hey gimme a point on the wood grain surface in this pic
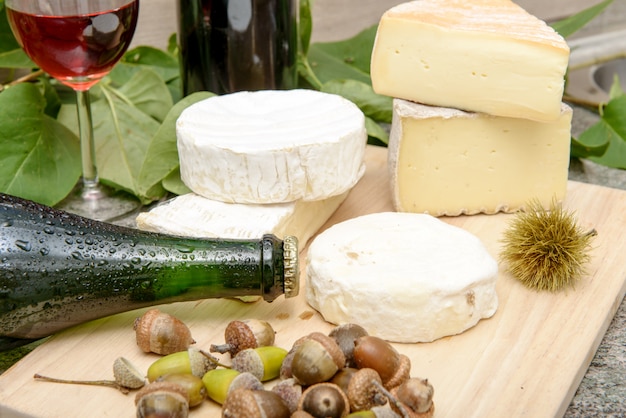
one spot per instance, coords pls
(525, 361)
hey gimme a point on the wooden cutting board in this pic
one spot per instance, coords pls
(527, 360)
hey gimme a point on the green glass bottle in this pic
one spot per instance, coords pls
(58, 269)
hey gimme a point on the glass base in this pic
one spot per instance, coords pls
(99, 202)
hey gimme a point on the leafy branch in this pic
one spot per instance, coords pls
(136, 106)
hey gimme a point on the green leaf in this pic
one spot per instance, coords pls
(161, 157)
(375, 132)
(373, 105)
(172, 45)
(40, 157)
(613, 127)
(174, 184)
(124, 124)
(147, 91)
(305, 26)
(570, 25)
(355, 52)
(616, 88)
(349, 59)
(165, 64)
(591, 143)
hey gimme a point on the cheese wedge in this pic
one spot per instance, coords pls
(192, 215)
(271, 146)
(486, 56)
(446, 161)
(404, 277)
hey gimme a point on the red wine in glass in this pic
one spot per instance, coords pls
(78, 43)
(77, 50)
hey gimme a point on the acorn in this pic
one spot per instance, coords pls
(383, 411)
(290, 391)
(262, 362)
(316, 359)
(161, 333)
(162, 399)
(345, 335)
(324, 400)
(126, 377)
(191, 361)
(342, 378)
(193, 386)
(248, 333)
(219, 382)
(417, 395)
(375, 353)
(364, 390)
(285, 368)
(254, 403)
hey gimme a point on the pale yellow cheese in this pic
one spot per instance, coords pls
(446, 161)
(486, 56)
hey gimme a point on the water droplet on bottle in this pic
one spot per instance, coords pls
(77, 256)
(48, 230)
(24, 245)
(44, 251)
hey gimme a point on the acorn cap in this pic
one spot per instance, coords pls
(290, 391)
(363, 393)
(402, 374)
(127, 375)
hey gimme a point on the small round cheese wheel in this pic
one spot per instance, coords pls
(271, 146)
(404, 277)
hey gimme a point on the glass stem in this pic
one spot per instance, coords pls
(87, 144)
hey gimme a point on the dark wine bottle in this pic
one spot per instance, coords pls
(235, 45)
(58, 269)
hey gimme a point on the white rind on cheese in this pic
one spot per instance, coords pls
(486, 56)
(192, 215)
(403, 277)
(446, 161)
(271, 146)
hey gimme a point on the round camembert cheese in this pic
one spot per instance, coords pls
(271, 146)
(404, 277)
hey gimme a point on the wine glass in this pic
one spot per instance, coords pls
(78, 42)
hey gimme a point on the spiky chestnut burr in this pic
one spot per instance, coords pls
(545, 249)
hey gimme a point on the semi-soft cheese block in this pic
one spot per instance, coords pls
(404, 277)
(446, 161)
(271, 146)
(486, 56)
(196, 216)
